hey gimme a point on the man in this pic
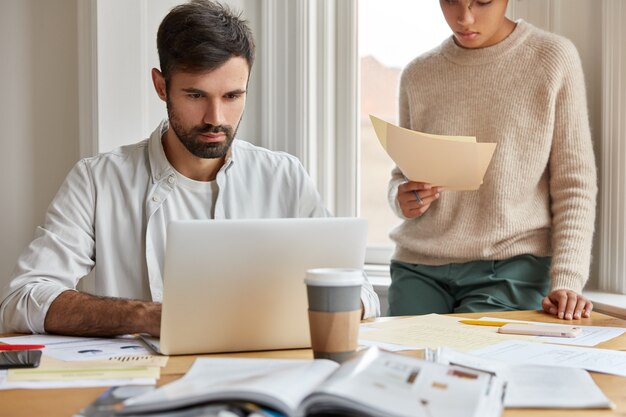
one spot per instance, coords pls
(112, 211)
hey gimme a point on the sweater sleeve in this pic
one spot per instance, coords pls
(572, 169)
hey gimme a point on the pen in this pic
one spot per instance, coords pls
(21, 347)
(487, 322)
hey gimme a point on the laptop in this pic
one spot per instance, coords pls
(238, 285)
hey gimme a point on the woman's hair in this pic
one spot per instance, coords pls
(202, 35)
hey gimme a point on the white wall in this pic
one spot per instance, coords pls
(38, 114)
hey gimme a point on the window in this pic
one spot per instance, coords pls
(304, 94)
(391, 33)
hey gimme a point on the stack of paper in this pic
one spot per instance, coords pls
(84, 362)
(453, 162)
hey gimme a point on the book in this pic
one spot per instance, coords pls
(374, 383)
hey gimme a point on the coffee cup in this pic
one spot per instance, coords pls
(334, 311)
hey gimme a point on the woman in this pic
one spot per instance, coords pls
(523, 239)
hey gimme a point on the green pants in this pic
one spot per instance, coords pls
(519, 283)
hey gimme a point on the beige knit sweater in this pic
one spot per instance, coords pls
(527, 94)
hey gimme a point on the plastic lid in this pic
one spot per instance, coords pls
(334, 277)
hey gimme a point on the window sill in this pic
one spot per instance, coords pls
(608, 303)
(378, 275)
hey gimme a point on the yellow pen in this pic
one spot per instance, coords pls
(487, 322)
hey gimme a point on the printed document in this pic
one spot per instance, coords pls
(69, 348)
(534, 386)
(522, 352)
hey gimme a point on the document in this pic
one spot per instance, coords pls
(69, 348)
(591, 335)
(534, 386)
(82, 383)
(454, 162)
(522, 352)
(391, 347)
(51, 369)
(374, 383)
(433, 331)
(84, 362)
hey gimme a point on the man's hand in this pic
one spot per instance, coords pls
(415, 198)
(567, 305)
(74, 313)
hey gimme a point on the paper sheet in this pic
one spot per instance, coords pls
(82, 348)
(84, 362)
(391, 347)
(591, 359)
(84, 373)
(6, 385)
(454, 162)
(532, 386)
(591, 335)
(433, 330)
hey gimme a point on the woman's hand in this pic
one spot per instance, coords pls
(415, 198)
(567, 305)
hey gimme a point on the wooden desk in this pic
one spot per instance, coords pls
(67, 402)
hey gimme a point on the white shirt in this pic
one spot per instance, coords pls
(109, 213)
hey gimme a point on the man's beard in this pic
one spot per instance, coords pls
(188, 137)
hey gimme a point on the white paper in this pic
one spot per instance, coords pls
(536, 386)
(392, 347)
(432, 331)
(591, 335)
(521, 352)
(68, 348)
(86, 383)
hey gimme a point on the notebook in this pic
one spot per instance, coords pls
(238, 285)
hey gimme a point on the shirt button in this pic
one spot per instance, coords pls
(156, 198)
(171, 179)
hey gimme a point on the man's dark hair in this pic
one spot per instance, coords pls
(201, 36)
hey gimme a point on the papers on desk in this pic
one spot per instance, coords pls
(83, 383)
(454, 162)
(526, 374)
(592, 359)
(68, 348)
(591, 335)
(373, 383)
(534, 386)
(84, 362)
(431, 331)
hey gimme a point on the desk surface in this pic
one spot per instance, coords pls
(67, 402)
